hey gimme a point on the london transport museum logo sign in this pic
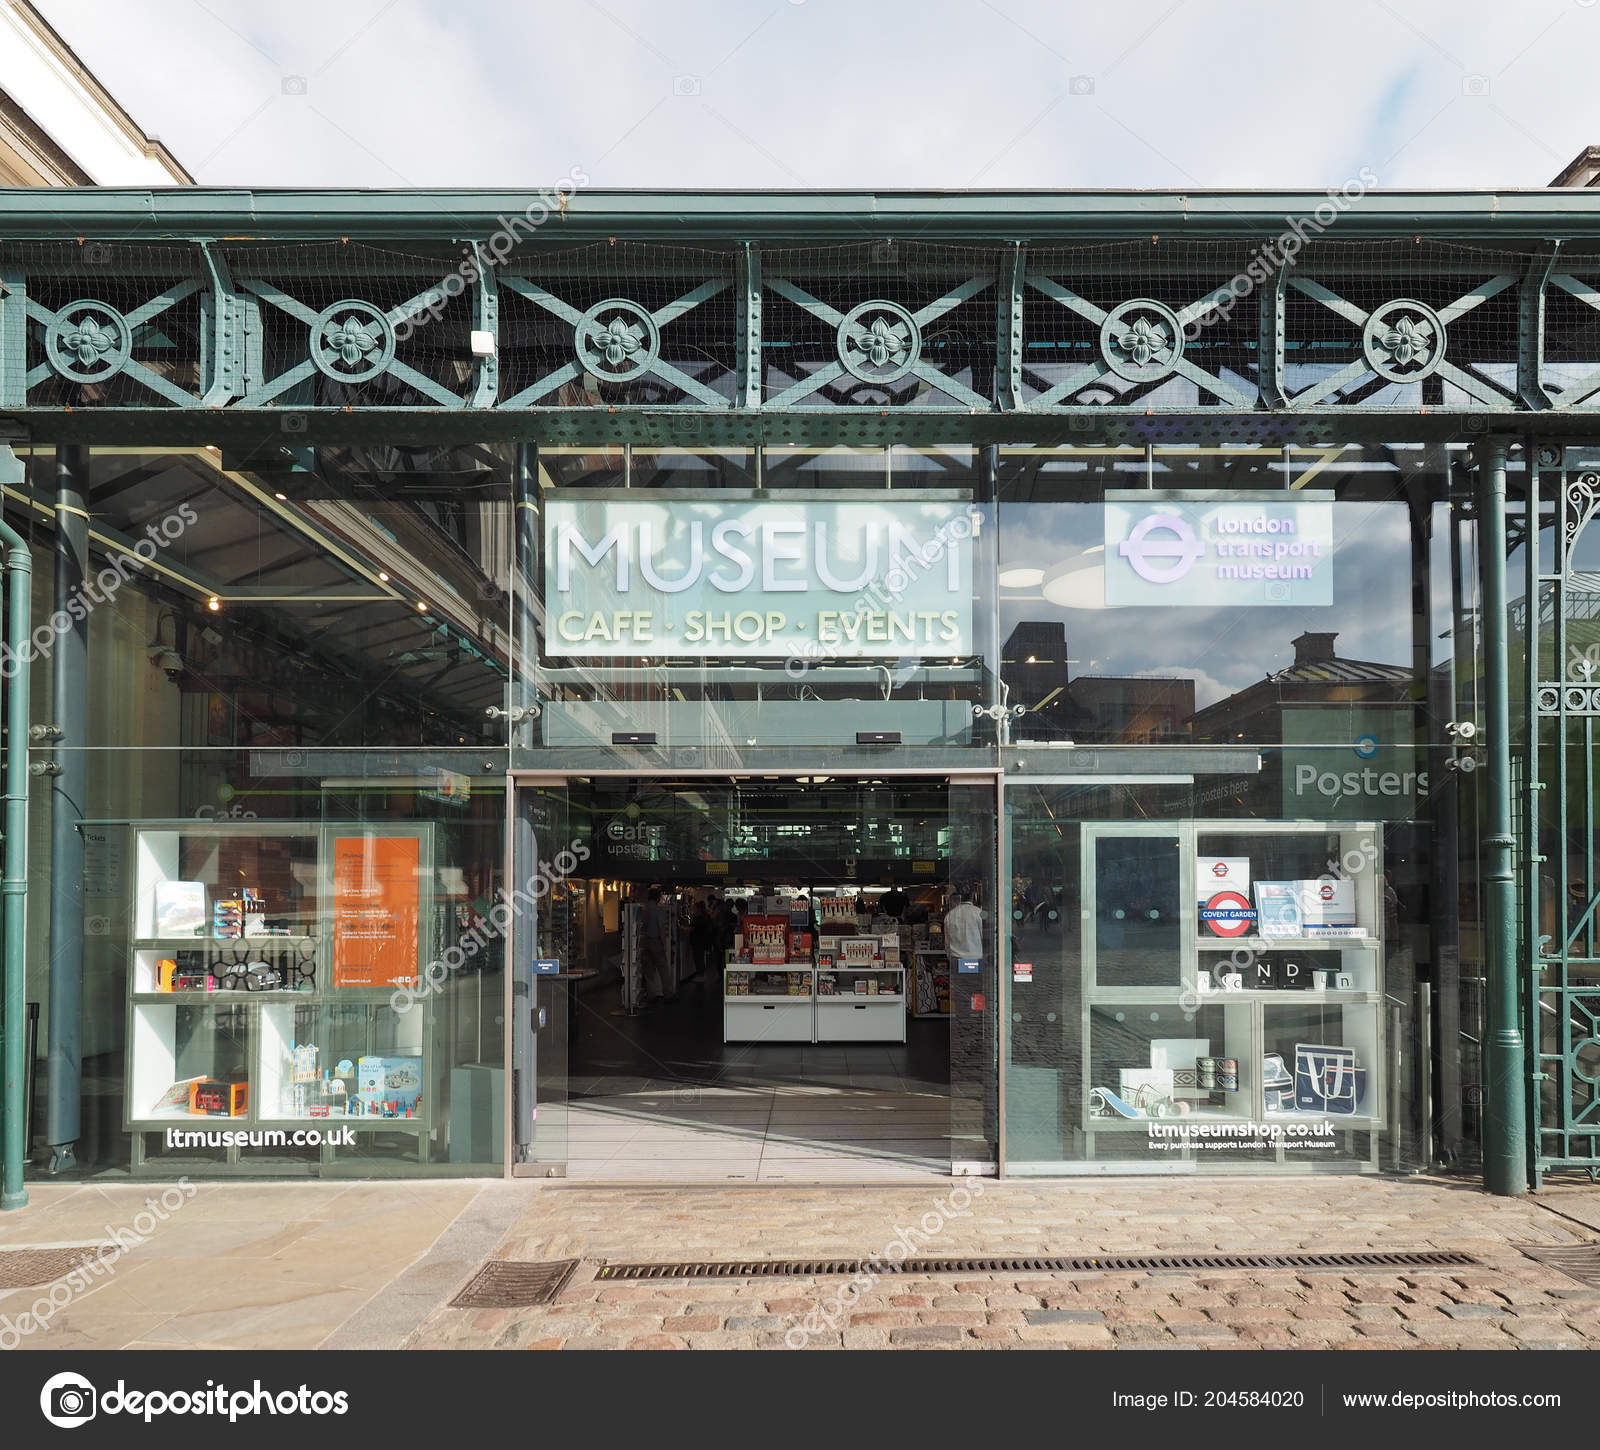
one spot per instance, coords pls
(684, 574)
(1258, 547)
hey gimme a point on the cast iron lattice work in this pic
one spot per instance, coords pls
(900, 325)
(916, 328)
(620, 326)
(1562, 865)
(98, 326)
(1398, 325)
(1135, 325)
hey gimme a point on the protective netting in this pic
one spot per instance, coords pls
(1402, 324)
(1149, 324)
(105, 325)
(1152, 324)
(884, 324)
(623, 323)
(355, 326)
(1571, 366)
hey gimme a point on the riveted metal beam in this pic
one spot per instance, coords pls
(1530, 329)
(13, 337)
(486, 318)
(1008, 328)
(749, 387)
(222, 338)
(1271, 320)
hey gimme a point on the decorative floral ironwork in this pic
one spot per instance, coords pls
(617, 340)
(88, 341)
(1146, 340)
(352, 341)
(879, 342)
(1403, 340)
(1141, 340)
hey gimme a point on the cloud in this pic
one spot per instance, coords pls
(852, 93)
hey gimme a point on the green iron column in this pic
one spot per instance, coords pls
(1505, 1156)
(14, 887)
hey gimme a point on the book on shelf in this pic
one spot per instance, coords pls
(180, 908)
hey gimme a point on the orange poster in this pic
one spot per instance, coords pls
(376, 912)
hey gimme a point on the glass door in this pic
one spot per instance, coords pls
(1097, 933)
(546, 972)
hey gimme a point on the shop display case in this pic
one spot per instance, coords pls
(930, 982)
(1234, 973)
(263, 955)
(861, 1005)
(767, 1003)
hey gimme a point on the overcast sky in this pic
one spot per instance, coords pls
(853, 93)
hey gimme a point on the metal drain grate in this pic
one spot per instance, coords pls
(1032, 1264)
(24, 1268)
(514, 1284)
(1576, 1261)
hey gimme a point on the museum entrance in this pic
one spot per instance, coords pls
(755, 978)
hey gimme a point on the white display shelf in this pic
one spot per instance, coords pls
(1254, 1021)
(178, 1035)
(1309, 943)
(861, 1019)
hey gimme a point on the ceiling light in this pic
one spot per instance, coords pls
(422, 606)
(281, 497)
(382, 577)
(213, 604)
(1021, 578)
(1080, 582)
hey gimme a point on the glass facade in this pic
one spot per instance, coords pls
(384, 748)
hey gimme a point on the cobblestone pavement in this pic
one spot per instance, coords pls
(375, 1264)
(1509, 1302)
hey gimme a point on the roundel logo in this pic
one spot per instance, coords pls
(1228, 913)
(1327, 891)
(1161, 549)
(1366, 746)
(1218, 869)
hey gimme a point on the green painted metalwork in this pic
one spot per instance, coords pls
(1505, 1163)
(1009, 302)
(1561, 871)
(486, 319)
(14, 887)
(1530, 330)
(1403, 340)
(380, 348)
(749, 394)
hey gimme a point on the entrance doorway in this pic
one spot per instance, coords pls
(759, 978)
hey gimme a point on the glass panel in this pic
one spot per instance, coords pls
(1137, 926)
(1207, 993)
(293, 849)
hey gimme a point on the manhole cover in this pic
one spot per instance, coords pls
(514, 1284)
(23, 1268)
(1036, 1264)
(1576, 1261)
